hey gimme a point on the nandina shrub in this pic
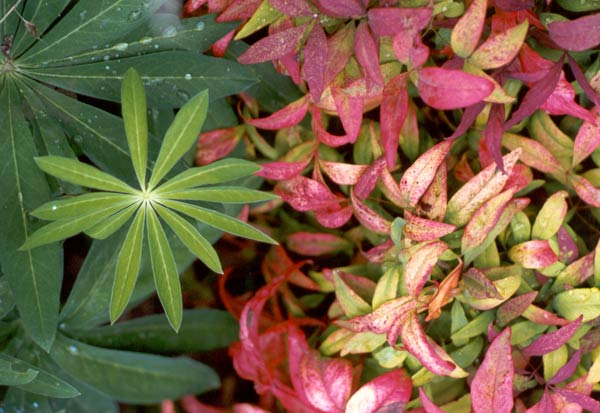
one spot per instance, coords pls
(441, 172)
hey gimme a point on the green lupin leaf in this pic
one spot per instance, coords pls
(220, 221)
(78, 206)
(191, 238)
(180, 136)
(133, 107)
(112, 224)
(225, 194)
(79, 173)
(128, 266)
(165, 270)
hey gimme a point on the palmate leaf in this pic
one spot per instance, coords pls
(78, 206)
(111, 224)
(226, 194)
(133, 107)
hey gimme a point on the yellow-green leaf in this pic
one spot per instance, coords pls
(262, 17)
(467, 31)
(223, 194)
(551, 216)
(111, 224)
(579, 301)
(500, 49)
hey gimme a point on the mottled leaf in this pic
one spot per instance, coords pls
(576, 35)
(390, 390)
(273, 46)
(467, 31)
(420, 264)
(551, 341)
(447, 89)
(501, 49)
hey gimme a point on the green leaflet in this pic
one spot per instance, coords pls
(128, 266)
(165, 271)
(79, 173)
(191, 238)
(218, 220)
(180, 136)
(17, 400)
(232, 195)
(9, 376)
(133, 377)
(217, 172)
(111, 224)
(133, 108)
(78, 206)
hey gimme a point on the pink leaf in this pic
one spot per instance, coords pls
(434, 201)
(552, 341)
(541, 316)
(431, 356)
(282, 170)
(367, 181)
(562, 102)
(387, 319)
(340, 8)
(274, 46)
(479, 286)
(568, 250)
(491, 389)
(493, 134)
(451, 89)
(421, 229)
(350, 109)
(191, 405)
(586, 191)
(342, 173)
(292, 8)
(219, 47)
(324, 136)
(586, 141)
(545, 405)
(217, 144)
(239, 10)
(567, 371)
(582, 400)
(421, 173)
(514, 307)
(369, 218)
(305, 194)
(514, 5)
(291, 65)
(315, 59)
(339, 50)
(391, 389)
(533, 154)
(533, 254)
(583, 82)
(428, 404)
(391, 189)
(289, 116)
(576, 35)
(388, 21)
(366, 52)
(468, 118)
(393, 111)
(334, 216)
(316, 244)
(420, 264)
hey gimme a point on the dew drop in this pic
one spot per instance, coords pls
(54, 208)
(62, 326)
(107, 67)
(169, 31)
(121, 46)
(146, 40)
(200, 26)
(82, 14)
(72, 349)
(187, 76)
(20, 196)
(35, 405)
(105, 58)
(134, 15)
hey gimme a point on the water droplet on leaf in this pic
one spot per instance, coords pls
(200, 26)
(169, 31)
(187, 76)
(121, 46)
(72, 349)
(135, 15)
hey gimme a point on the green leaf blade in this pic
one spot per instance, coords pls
(112, 224)
(133, 101)
(79, 173)
(222, 194)
(180, 136)
(78, 206)
(192, 239)
(166, 277)
(128, 266)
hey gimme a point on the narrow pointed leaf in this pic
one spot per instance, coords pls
(274, 46)
(79, 205)
(366, 51)
(367, 217)
(467, 31)
(576, 35)
(128, 266)
(220, 221)
(390, 391)
(421, 229)
(289, 116)
(180, 136)
(452, 89)
(586, 141)
(550, 218)
(79, 173)
(581, 400)
(215, 173)
(393, 112)
(12, 375)
(552, 341)
(112, 224)
(133, 108)
(420, 265)
(164, 268)
(500, 49)
(533, 254)
(515, 307)
(567, 371)
(191, 238)
(315, 59)
(59, 230)
(223, 194)
(492, 386)
(427, 403)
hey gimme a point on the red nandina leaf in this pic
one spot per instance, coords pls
(541, 316)
(393, 111)
(468, 118)
(350, 109)
(219, 47)
(279, 171)
(339, 50)
(568, 250)
(334, 216)
(326, 382)
(434, 201)
(514, 5)
(387, 319)
(342, 173)
(582, 400)
(493, 134)
(366, 52)
(292, 8)
(545, 405)
(305, 194)
(341, 9)
(217, 144)
(391, 389)
(491, 389)
(273, 46)
(576, 35)
(567, 371)
(452, 89)
(391, 189)
(315, 59)
(583, 82)
(239, 10)
(514, 307)
(316, 244)
(191, 405)
(291, 66)
(409, 49)
(537, 95)
(431, 356)
(420, 264)
(586, 141)
(444, 294)
(368, 179)
(586, 191)
(421, 173)
(533, 154)
(479, 286)
(467, 31)
(369, 218)
(501, 49)
(324, 136)
(421, 229)
(427, 403)
(289, 116)
(533, 254)
(388, 21)
(562, 102)
(552, 341)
